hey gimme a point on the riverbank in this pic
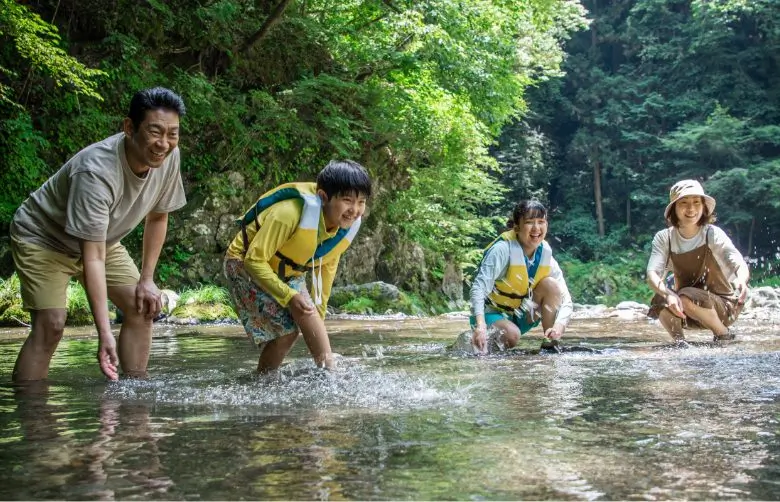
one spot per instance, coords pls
(211, 305)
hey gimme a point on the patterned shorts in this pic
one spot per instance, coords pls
(262, 316)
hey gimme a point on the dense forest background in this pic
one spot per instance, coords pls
(457, 108)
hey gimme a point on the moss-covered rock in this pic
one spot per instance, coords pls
(205, 312)
(15, 315)
(372, 298)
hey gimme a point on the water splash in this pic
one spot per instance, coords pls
(297, 385)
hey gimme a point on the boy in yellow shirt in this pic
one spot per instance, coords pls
(291, 229)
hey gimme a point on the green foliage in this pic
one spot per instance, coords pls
(654, 92)
(11, 311)
(580, 237)
(13, 314)
(205, 312)
(20, 149)
(360, 305)
(371, 301)
(169, 270)
(608, 282)
(208, 294)
(765, 271)
(79, 311)
(206, 304)
(36, 42)
(416, 91)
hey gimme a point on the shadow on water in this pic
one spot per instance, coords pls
(618, 415)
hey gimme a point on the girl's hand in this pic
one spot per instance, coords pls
(479, 337)
(556, 332)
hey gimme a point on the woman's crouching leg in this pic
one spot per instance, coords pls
(672, 324)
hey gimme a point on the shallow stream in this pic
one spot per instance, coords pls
(402, 418)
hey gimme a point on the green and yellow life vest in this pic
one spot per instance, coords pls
(301, 251)
(521, 275)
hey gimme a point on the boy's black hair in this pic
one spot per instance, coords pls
(344, 177)
(153, 99)
(527, 209)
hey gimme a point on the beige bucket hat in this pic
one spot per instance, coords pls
(684, 188)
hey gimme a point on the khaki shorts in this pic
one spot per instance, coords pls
(44, 274)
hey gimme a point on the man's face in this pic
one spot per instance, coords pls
(342, 210)
(155, 139)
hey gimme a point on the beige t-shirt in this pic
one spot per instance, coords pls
(95, 196)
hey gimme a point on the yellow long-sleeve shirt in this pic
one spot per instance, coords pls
(277, 225)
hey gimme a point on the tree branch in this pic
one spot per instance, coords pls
(273, 18)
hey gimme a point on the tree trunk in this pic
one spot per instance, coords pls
(628, 211)
(273, 18)
(750, 236)
(597, 193)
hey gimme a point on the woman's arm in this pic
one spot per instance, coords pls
(725, 252)
(656, 268)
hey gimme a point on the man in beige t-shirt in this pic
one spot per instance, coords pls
(72, 226)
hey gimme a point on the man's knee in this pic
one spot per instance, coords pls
(48, 326)
(133, 318)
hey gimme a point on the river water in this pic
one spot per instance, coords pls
(402, 418)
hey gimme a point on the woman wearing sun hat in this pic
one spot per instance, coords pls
(710, 275)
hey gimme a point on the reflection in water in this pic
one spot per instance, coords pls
(114, 457)
(126, 448)
(403, 418)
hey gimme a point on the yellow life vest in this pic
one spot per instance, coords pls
(301, 251)
(508, 293)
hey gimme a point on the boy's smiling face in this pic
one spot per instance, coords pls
(342, 210)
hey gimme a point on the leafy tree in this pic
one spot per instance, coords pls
(656, 91)
(416, 90)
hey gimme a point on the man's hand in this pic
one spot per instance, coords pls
(479, 338)
(675, 305)
(300, 306)
(148, 299)
(106, 356)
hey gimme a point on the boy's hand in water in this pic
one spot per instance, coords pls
(300, 305)
(479, 337)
